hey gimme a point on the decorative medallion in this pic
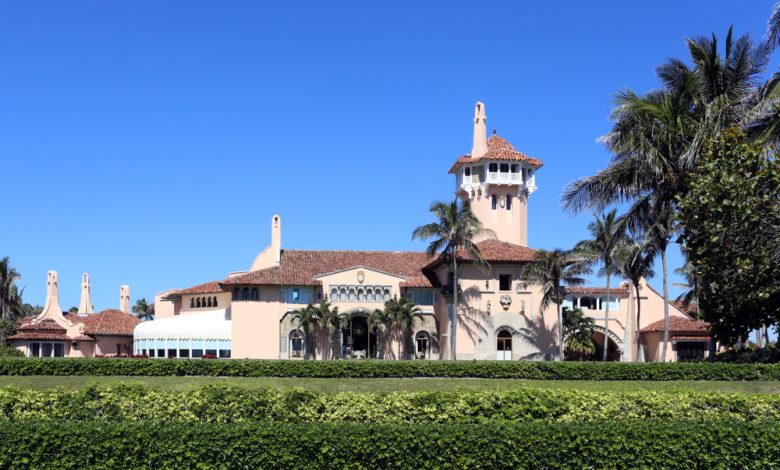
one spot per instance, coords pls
(361, 276)
(506, 301)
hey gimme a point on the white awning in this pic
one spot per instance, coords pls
(207, 325)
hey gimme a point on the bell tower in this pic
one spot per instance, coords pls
(497, 180)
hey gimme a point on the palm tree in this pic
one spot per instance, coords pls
(634, 261)
(606, 233)
(142, 309)
(549, 269)
(10, 300)
(454, 231)
(689, 295)
(334, 321)
(404, 313)
(309, 320)
(383, 322)
(578, 332)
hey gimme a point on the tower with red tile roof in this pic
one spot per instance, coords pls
(497, 180)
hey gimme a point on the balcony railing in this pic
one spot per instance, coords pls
(504, 178)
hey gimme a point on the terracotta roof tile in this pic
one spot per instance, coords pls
(205, 288)
(47, 325)
(300, 267)
(46, 336)
(106, 323)
(493, 251)
(499, 149)
(703, 337)
(679, 325)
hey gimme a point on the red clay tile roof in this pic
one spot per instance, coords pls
(83, 338)
(46, 336)
(621, 291)
(205, 288)
(47, 325)
(691, 338)
(300, 267)
(680, 326)
(493, 251)
(106, 323)
(499, 149)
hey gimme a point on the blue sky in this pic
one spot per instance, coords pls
(149, 143)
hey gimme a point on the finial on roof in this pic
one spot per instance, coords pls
(494, 131)
(480, 132)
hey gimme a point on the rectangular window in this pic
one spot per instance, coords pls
(46, 350)
(184, 353)
(224, 353)
(59, 350)
(35, 349)
(508, 202)
(493, 202)
(196, 353)
(171, 353)
(296, 295)
(505, 282)
(493, 167)
(504, 168)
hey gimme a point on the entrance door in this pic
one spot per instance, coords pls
(504, 346)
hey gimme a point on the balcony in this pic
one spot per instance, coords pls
(498, 177)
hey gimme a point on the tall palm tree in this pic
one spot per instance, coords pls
(142, 309)
(454, 231)
(10, 300)
(606, 232)
(308, 318)
(549, 269)
(334, 321)
(634, 261)
(383, 322)
(404, 313)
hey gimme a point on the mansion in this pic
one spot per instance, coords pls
(250, 314)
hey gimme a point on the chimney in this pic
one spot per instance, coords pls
(52, 307)
(85, 305)
(124, 298)
(480, 131)
(276, 238)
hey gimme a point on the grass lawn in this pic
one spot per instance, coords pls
(386, 385)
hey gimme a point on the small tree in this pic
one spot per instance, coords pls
(634, 261)
(383, 322)
(308, 319)
(334, 321)
(578, 333)
(404, 313)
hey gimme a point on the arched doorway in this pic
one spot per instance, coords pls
(504, 345)
(357, 340)
(296, 344)
(613, 349)
(422, 345)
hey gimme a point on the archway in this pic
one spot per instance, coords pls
(357, 340)
(504, 345)
(613, 348)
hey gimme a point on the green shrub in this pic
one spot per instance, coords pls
(768, 355)
(618, 444)
(220, 404)
(8, 351)
(377, 368)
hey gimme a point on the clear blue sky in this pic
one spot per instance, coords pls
(149, 143)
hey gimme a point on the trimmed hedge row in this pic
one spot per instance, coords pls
(221, 404)
(378, 368)
(620, 444)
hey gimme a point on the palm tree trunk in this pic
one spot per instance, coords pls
(560, 330)
(666, 304)
(628, 340)
(606, 322)
(638, 318)
(452, 327)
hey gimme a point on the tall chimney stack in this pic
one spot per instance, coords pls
(480, 131)
(124, 298)
(276, 238)
(85, 304)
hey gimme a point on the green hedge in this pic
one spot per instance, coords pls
(221, 404)
(8, 351)
(375, 368)
(619, 444)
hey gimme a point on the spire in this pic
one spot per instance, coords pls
(85, 305)
(52, 308)
(124, 298)
(480, 131)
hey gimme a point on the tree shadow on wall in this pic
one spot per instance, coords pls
(470, 320)
(544, 339)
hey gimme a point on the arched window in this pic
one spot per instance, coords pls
(192, 302)
(296, 343)
(197, 303)
(509, 202)
(352, 296)
(343, 294)
(361, 294)
(422, 342)
(493, 202)
(387, 295)
(369, 295)
(588, 302)
(236, 294)
(377, 295)
(504, 345)
(334, 294)
(254, 294)
(245, 294)
(215, 301)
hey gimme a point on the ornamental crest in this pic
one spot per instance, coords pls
(361, 276)
(506, 301)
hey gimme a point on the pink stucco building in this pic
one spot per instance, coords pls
(248, 314)
(83, 334)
